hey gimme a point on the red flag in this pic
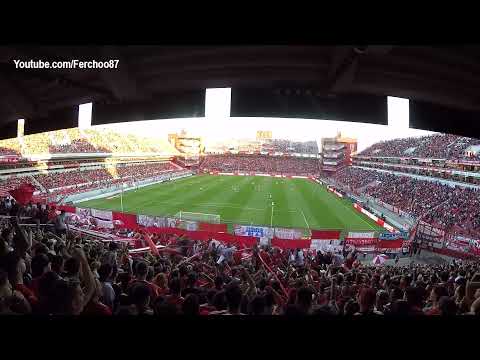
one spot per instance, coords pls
(23, 194)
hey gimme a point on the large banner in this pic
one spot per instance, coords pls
(291, 244)
(126, 221)
(94, 217)
(362, 241)
(475, 247)
(102, 219)
(290, 234)
(255, 231)
(392, 236)
(326, 240)
(326, 245)
(151, 221)
(459, 243)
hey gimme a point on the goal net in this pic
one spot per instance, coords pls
(202, 217)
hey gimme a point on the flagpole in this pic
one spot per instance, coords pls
(271, 218)
(121, 198)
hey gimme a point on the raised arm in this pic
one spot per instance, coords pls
(23, 242)
(87, 275)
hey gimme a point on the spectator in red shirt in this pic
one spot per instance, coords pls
(141, 276)
(174, 298)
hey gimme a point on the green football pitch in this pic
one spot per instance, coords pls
(298, 203)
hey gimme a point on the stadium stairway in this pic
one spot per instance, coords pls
(428, 257)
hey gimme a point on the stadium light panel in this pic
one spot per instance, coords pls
(20, 127)
(84, 115)
(217, 103)
(398, 112)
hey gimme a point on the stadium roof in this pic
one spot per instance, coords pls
(440, 75)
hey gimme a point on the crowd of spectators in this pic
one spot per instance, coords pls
(452, 208)
(356, 178)
(142, 171)
(431, 171)
(262, 164)
(74, 181)
(102, 176)
(56, 271)
(54, 180)
(461, 213)
(12, 183)
(288, 147)
(9, 147)
(438, 146)
(94, 140)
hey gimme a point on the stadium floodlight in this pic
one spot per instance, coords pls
(217, 103)
(20, 127)
(85, 115)
(398, 112)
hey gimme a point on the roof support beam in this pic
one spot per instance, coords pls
(345, 63)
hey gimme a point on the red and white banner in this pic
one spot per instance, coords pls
(331, 189)
(363, 241)
(291, 244)
(326, 240)
(459, 244)
(390, 244)
(125, 221)
(374, 218)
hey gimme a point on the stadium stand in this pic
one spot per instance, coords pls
(43, 274)
(439, 146)
(95, 140)
(262, 164)
(455, 208)
(12, 183)
(94, 178)
(286, 146)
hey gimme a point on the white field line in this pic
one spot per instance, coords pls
(304, 218)
(360, 216)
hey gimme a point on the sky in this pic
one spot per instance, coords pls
(217, 125)
(282, 128)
